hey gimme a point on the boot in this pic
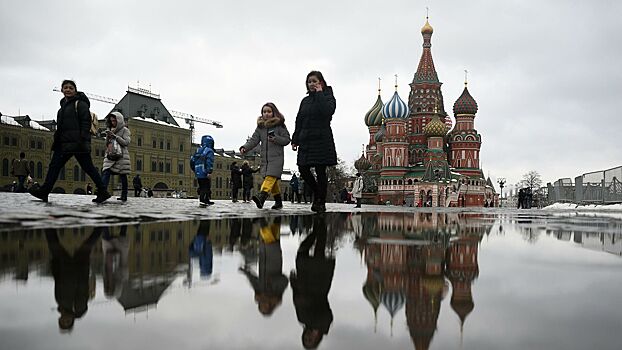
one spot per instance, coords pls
(278, 202)
(318, 205)
(39, 193)
(102, 196)
(260, 199)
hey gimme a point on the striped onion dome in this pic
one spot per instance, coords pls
(362, 164)
(371, 290)
(448, 122)
(393, 301)
(435, 128)
(380, 134)
(374, 116)
(465, 104)
(395, 108)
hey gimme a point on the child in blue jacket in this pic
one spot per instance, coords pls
(202, 163)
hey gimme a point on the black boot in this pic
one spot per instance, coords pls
(102, 195)
(278, 202)
(260, 199)
(318, 205)
(39, 193)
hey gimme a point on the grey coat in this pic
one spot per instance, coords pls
(123, 137)
(272, 153)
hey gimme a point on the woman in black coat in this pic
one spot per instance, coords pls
(236, 181)
(313, 137)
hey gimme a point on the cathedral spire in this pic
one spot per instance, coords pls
(426, 71)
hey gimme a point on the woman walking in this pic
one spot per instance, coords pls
(117, 158)
(313, 137)
(272, 133)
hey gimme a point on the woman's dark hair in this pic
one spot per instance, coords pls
(275, 111)
(108, 122)
(318, 75)
(70, 82)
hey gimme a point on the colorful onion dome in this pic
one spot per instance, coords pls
(435, 128)
(462, 305)
(374, 116)
(395, 108)
(465, 104)
(427, 28)
(380, 134)
(362, 164)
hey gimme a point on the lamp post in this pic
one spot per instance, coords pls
(501, 181)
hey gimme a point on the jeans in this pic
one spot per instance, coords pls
(20, 183)
(59, 159)
(123, 177)
(246, 193)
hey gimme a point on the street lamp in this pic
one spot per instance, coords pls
(501, 181)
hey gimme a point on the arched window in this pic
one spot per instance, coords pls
(61, 175)
(76, 173)
(410, 181)
(39, 170)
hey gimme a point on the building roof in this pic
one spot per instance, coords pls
(395, 108)
(139, 104)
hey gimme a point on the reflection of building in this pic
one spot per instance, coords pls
(160, 150)
(413, 155)
(158, 253)
(408, 257)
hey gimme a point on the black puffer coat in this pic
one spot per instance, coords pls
(313, 134)
(73, 127)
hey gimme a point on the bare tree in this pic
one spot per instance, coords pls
(531, 180)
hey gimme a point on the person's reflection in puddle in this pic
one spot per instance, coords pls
(115, 250)
(311, 283)
(201, 247)
(270, 283)
(71, 277)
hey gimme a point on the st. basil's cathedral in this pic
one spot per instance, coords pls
(414, 157)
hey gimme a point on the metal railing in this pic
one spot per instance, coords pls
(598, 187)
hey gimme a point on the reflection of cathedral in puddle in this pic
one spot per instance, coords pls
(408, 257)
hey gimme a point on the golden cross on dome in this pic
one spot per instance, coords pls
(395, 82)
(379, 79)
(427, 12)
(466, 72)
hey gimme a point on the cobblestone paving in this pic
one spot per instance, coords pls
(21, 210)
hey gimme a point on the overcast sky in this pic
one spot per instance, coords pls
(546, 75)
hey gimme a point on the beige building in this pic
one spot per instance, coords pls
(160, 151)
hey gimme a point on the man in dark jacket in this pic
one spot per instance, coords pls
(138, 185)
(72, 138)
(236, 181)
(21, 170)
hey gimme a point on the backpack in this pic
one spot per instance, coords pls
(94, 121)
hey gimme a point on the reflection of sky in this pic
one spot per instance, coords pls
(540, 293)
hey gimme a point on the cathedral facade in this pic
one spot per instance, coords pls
(414, 156)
